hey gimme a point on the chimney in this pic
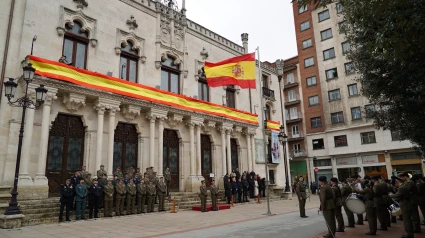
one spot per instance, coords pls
(245, 41)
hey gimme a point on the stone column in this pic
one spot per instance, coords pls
(192, 148)
(40, 178)
(140, 153)
(160, 146)
(99, 134)
(111, 134)
(229, 154)
(198, 149)
(151, 140)
(223, 149)
(248, 144)
(253, 151)
(24, 177)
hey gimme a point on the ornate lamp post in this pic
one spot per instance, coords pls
(24, 102)
(283, 138)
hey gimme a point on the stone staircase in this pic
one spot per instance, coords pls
(4, 198)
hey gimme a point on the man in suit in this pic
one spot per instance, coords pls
(80, 199)
(162, 192)
(345, 191)
(327, 205)
(338, 204)
(203, 195)
(403, 194)
(302, 197)
(108, 192)
(141, 196)
(167, 177)
(67, 197)
(96, 196)
(214, 195)
(120, 191)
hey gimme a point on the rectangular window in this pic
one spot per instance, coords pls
(395, 136)
(331, 73)
(334, 95)
(230, 97)
(328, 54)
(311, 81)
(370, 108)
(316, 122)
(313, 100)
(307, 43)
(337, 117)
(265, 79)
(290, 78)
(322, 162)
(352, 90)
(293, 113)
(323, 15)
(340, 141)
(170, 76)
(128, 68)
(326, 34)
(292, 95)
(203, 90)
(302, 9)
(368, 137)
(356, 113)
(297, 148)
(349, 68)
(339, 8)
(305, 25)
(318, 144)
(309, 62)
(345, 47)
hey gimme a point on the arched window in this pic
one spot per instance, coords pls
(75, 44)
(128, 62)
(170, 76)
(267, 112)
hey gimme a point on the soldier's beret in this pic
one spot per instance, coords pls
(367, 177)
(335, 180)
(322, 178)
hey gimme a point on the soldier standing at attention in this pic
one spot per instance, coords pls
(141, 196)
(167, 176)
(327, 205)
(338, 204)
(403, 197)
(75, 180)
(300, 189)
(345, 191)
(155, 182)
(108, 190)
(245, 186)
(101, 172)
(120, 191)
(131, 197)
(146, 179)
(96, 196)
(214, 195)
(83, 172)
(162, 192)
(136, 178)
(126, 179)
(369, 196)
(118, 173)
(151, 196)
(88, 181)
(150, 172)
(381, 194)
(67, 197)
(102, 182)
(80, 199)
(203, 195)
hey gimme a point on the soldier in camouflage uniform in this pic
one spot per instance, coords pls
(101, 172)
(214, 195)
(345, 191)
(151, 191)
(203, 195)
(120, 191)
(162, 192)
(118, 173)
(131, 197)
(141, 196)
(338, 204)
(108, 192)
(302, 196)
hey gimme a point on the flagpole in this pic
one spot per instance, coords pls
(263, 106)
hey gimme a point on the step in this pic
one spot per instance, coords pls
(5, 198)
(5, 189)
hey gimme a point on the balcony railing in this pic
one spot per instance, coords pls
(268, 93)
(292, 99)
(293, 116)
(290, 82)
(295, 135)
(297, 154)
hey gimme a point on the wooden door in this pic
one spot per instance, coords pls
(234, 154)
(65, 151)
(125, 146)
(171, 157)
(206, 158)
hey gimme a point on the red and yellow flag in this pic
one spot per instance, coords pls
(238, 71)
(273, 125)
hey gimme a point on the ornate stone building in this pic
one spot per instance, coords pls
(149, 44)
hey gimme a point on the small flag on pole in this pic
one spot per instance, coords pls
(238, 71)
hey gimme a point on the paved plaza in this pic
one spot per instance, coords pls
(240, 221)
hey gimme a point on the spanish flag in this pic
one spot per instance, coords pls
(238, 71)
(273, 125)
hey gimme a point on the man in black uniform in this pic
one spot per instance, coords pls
(96, 197)
(67, 197)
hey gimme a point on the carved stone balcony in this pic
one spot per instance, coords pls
(268, 94)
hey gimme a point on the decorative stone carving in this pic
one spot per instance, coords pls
(204, 54)
(132, 23)
(157, 64)
(74, 101)
(129, 112)
(279, 67)
(185, 73)
(102, 104)
(174, 120)
(142, 59)
(208, 126)
(68, 16)
(165, 55)
(138, 43)
(81, 3)
(198, 68)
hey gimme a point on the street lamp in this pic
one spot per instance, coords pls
(24, 102)
(283, 138)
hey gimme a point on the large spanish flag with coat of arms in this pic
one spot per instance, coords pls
(238, 71)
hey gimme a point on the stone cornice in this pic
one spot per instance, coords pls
(144, 6)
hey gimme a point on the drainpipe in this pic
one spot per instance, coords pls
(6, 47)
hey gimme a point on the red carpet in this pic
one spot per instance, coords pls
(209, 207)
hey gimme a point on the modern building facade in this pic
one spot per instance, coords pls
(339, 138)
(152, 46)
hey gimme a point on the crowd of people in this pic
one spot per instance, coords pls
(128, 192)
(405, 192)
(241, 186)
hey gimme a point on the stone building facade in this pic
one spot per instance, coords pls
(150, 43)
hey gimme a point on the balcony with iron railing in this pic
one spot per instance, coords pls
(297, 154)
(268, 94)
(291, 100)
(290, 83)
(299, 135)
(293, 117)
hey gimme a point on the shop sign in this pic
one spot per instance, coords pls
(346, 161)
(370, 159)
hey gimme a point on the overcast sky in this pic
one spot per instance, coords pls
(269, 23)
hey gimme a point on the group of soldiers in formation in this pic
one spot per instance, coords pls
(129, 189)
(407, 191)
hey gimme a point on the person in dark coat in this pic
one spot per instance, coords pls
(234, 190)
(67, 197)
(245, 188)
(226, 177)
(240, 190)
(251, 186)
(238, 174)
(228, 190)
(313, 188)
(261, 186)
(75, 180)
(96, 197)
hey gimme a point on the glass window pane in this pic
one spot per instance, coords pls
(174, 159)
(54, 156)
(80, 58)
(68, 47)
(117, 155)
(74, 153)
(174, 83)
(164, 80)
(130, 154)
(123, 68)
(133, 71)
(207, 161)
